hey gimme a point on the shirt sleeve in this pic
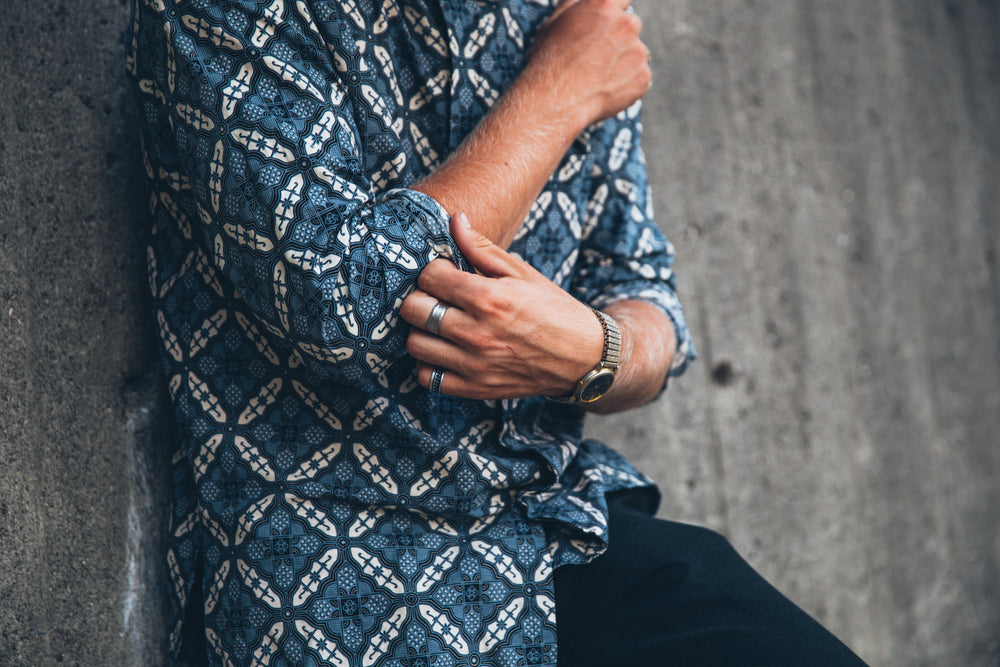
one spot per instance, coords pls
(246, 112)
(624, 255)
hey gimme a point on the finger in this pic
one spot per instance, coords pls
(449, 379)
(443, 281)
(625, 4)
(417, 308)
(437, 351)
(456, 384)
(412, 310)
(488, 258)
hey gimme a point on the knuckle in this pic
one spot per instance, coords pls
(461, 365)
(495, 303)
(480, 341)
(407, 309)
(479, 393)
(495, 381)
(469, 338)
(603, 8)
(462, 336)
(413, 346)
(645, 78)
(494, 388)
(478, 369)
(429, 272)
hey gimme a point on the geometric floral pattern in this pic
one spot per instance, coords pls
(339, 513)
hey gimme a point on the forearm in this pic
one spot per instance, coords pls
(502, 166)
(586, 64)
(648, 344)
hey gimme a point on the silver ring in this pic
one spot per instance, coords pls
(437, 377)
(434, 319)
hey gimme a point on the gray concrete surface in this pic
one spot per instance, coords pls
(829, 171)
(82, 473)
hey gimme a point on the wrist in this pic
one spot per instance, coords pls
(590, 345)
(597, 380)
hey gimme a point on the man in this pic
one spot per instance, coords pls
(352, 489)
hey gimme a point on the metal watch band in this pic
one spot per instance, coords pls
(608, 366)
(612, 340)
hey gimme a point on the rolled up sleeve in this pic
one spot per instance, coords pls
(624, 255)
(258, 130)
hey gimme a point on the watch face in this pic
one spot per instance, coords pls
(597, 385)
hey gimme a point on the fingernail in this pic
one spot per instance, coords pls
(463, 219)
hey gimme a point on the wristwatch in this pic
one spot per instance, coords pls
(596, 383)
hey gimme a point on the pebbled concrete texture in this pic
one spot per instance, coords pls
(829, 173)
(82, 466)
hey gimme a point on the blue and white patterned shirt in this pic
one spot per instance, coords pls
(338, 512)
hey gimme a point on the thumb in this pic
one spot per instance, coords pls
(487, 257)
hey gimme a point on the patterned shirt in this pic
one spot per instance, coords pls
(336, 511)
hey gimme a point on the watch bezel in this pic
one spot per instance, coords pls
(592, 378)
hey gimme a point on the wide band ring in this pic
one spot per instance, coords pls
(437, 377)
(434, 319)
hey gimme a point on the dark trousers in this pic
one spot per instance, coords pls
(666, 593)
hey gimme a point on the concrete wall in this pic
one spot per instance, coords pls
(829, 172)
(82, 462)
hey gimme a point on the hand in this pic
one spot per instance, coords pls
(590, 55)
(509, 333)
